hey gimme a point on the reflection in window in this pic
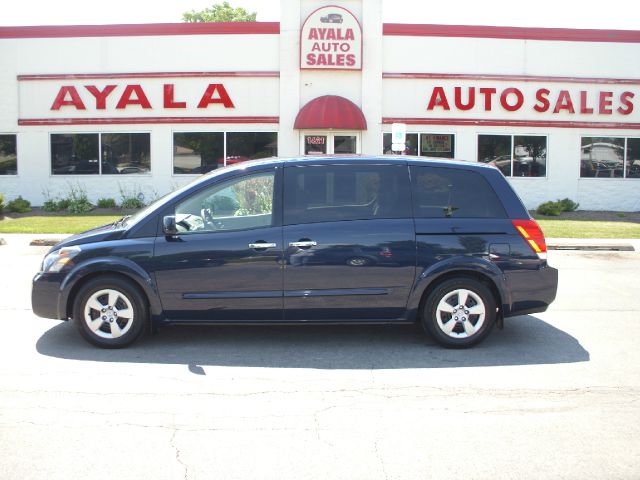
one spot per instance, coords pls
(74, 154)
(529, 156)
(239, 204)
(126, 153)
(495, 150)
(515, 155)
(602, 157)
(197, 152)
(344, 144)
(8, 156)
(411, 144)
(633, 158)
(243, 146)
(315, 144)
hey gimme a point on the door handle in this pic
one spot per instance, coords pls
(303, 244)
(260, 245)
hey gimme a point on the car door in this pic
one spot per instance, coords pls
(349, 242)
(225, 263)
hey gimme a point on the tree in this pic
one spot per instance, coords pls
(220, 13)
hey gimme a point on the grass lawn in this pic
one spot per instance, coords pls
(54, 223)
(588, 229)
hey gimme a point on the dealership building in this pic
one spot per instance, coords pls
(143, 109)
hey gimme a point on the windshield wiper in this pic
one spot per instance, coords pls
(121, 222)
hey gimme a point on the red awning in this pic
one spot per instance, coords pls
(331, 111)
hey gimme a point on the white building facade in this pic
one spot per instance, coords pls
(145, 108)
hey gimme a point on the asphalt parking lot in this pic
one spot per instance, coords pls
(554, 395)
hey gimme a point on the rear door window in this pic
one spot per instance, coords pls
(453, 193)
(330, 193)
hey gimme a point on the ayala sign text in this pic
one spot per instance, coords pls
(331, 38)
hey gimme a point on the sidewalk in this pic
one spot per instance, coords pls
(587, 244)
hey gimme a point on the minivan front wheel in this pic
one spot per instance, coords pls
(459, 312)
(110, 312)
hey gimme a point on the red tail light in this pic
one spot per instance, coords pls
(530, 231)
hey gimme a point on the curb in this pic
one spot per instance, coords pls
(44, 242)
(594, 248)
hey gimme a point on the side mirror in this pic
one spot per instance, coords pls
(169, 226)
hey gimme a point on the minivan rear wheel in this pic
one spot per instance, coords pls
(459, 312)
(110, 312)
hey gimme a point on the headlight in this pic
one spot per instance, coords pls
(56, 261)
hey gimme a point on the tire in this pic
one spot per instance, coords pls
(455, 327)
(110, 312)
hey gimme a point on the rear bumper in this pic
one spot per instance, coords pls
(45, 296)
(532, 291)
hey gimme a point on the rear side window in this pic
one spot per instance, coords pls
(331, 193)
(452, 193)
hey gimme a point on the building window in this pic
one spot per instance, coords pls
(243, 146)
(75, 154)
(120, 153)
(610, 157)
(424, 144)
(8, 155)
(126, 153)
(197, 152)
(515, 155)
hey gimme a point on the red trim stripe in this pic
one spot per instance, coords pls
(142, 120)
(87, 76)
(480, 122)
(136, 30)
(519, 33)
(517, 78)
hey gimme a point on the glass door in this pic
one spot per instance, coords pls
(323, 143)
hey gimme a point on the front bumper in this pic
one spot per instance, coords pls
(45, 296)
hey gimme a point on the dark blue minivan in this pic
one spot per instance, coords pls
(324, 240)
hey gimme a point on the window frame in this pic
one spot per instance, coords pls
(330, 134)
(12, 175)
(624, 158)
(99, 133)
(513, 135)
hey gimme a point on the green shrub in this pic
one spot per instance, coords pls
(1, 203)
(131, 203)
(131, 198)
(568, 205)
(77, 199)
(63, 204)
(19, 205)
(552, 209)
(50, 206)
(106, 203)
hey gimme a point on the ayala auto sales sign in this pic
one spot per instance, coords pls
(331, 39)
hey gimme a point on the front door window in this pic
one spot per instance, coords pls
(315, 144)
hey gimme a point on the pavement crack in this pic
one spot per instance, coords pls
(379, 457)
(178, 453)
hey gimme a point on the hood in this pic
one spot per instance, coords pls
(98, 234)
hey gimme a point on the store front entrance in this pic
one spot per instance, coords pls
(329, 143)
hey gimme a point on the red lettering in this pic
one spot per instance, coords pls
(313, 34)
(583, 103)
(126, 98)
(311, 59)
(74, 99)
(487, 92)
(169, 102)
(208, 97)
(564, 102)
(471, 102)
(519, 99)
(438, 99)
(351, 60)
(625, 99)
(100, 95)
(605, 103)
(541, 96)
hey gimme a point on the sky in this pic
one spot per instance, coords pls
(608, 14)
